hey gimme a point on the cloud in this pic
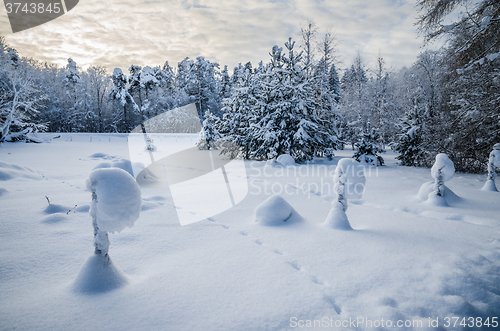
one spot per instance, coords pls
(117, 33)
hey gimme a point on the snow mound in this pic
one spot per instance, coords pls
(119, 199)
(10, 171)
(3, 191)
(490, 186)
(274, 211)
(55, 208)
(55, 218)
(120, 164)
(444, 164)
(337, 218)
(99, 274)
(286, 160)
(427, 194)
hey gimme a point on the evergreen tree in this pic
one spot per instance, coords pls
(286, 112)
(120, 94)
(238, 114)
(367, 150)
(409, 144)
(209, 133)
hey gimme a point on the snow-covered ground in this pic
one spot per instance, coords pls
(405, 262)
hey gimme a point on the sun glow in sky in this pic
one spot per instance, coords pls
(119, 33)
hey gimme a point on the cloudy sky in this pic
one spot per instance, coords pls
(118, 33)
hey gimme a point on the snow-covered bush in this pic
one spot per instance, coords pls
(435, 192)
(367, 152)
(116, 204)
(349, 183)
(493, 163)
(442, 171)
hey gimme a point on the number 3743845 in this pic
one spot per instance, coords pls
(477, 322)
(33, 7)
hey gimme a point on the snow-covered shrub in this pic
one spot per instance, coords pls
(349, 183)
(493, 163)
(435, 192)
(116, 204)
(367, 152)
(116, 200)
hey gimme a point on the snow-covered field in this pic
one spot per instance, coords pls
(405, 262)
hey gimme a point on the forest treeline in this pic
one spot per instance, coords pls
(298, 101)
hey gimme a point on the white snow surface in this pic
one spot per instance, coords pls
(444, 163)
(119, 199)
(403, 260)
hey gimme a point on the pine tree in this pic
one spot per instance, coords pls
(286, 112)
(209, 133)
(120, 94)
(367, 150)
(409, 144)
(238, 114)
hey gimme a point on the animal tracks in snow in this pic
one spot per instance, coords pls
(294, 264)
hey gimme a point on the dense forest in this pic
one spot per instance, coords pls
(298, 101)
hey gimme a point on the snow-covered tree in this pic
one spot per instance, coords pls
(409, 144)
(21, 98)
(471, 32)
(209, 133)
(120, 94)
(286, 111)
(98, 86)
(355, 106)
(308, 39)
(367, 151)
(225, 84)
(238, 114)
